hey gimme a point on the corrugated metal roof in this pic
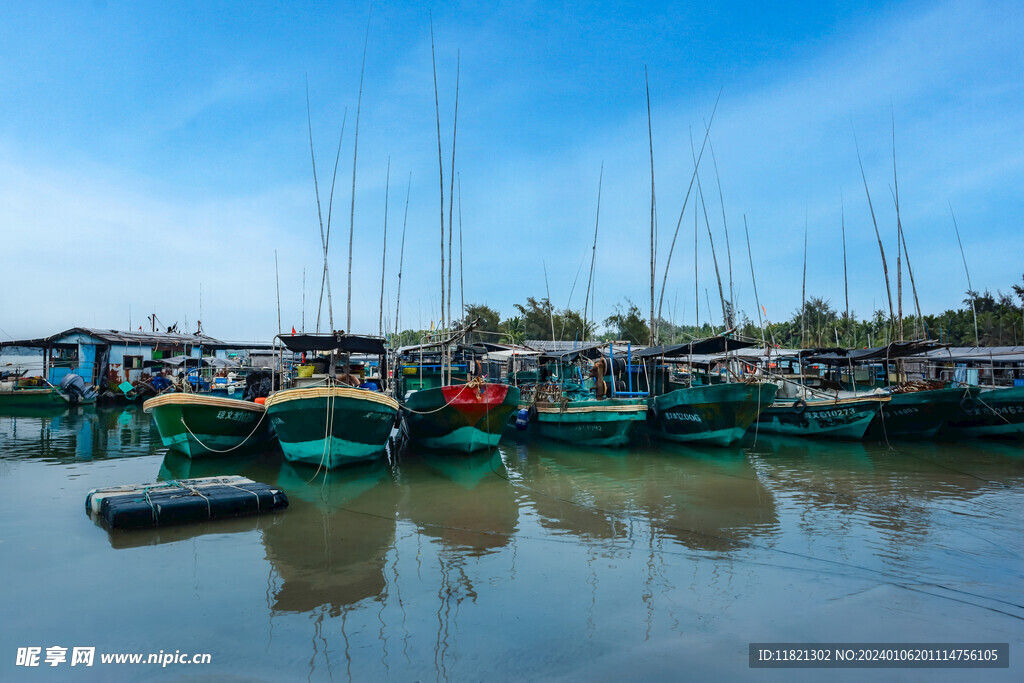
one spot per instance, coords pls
(144, 338)
(976, 354)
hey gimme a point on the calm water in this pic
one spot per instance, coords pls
(534, 562)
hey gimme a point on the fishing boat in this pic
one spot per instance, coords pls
(991, 379)
(564, 409)
(18, 391)
(330, 419)
(201, 426)
(990, 412)
(447, 404)
(699, 405)
(921, 409)
(811, 405)
(918, 407)
(821, 416)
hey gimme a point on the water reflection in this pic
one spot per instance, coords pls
(465, 502)
(76, 433)
(323, 554)
(709, 500)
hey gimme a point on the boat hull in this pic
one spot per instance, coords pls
(591, 423)
(464, 418)
(207, 426)
(846, 418)
(995, 412)
(716, 414)
(32, 398)
(918, 413)
(332, 426)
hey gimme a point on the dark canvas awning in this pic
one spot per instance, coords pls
(346, 343)
(696, 347)
(895, 350)
(592, 351)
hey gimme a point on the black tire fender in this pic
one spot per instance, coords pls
(967, 403)
(800, 406)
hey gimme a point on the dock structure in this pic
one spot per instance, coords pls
(105, 358)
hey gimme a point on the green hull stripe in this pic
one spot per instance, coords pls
(588, 433)
(463, 440)
(341, 452)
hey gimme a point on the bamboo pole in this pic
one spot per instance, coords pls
(462, 283)
(668, 261)
(757, 300)
(325, 278)
(277, 280)
(803, 292)
(440, 165)
(451, 188)
(355, 153)
(401, 256)
(593, 251)
(846, 285)
(654, 239)
(878, 235)
(711, 239)
(728, 248)
(970, 288)
(384, 257)
(551, 308)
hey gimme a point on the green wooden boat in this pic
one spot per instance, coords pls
(919, 413)
(715, 414)
(32, 398)
(590, 422)
(844, 418)
(208, 426)
(461, 417)
(995, 411)
(331, 426)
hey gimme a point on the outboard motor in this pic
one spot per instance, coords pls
(258, 384)
(76, 389)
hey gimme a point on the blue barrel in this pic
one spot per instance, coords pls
(522, 419)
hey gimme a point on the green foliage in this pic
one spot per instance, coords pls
(628, 325)
(490, 321)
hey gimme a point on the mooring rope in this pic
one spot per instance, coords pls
(214, 450)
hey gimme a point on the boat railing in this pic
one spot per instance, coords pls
(629, 373)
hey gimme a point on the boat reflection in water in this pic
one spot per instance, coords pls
(706, 499)
(325, 555)
(76, 433)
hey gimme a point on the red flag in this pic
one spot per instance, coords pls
(293, 330)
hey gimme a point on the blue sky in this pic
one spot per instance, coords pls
(148, 150)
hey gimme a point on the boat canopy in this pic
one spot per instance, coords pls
(897, 349)
(591, 352)
(697, 347)
(975, 354)
(191, 362)
(346, 343)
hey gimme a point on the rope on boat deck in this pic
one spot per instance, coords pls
(228, 450)
(476, 382)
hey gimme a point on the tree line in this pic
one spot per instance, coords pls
(1000, 322)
